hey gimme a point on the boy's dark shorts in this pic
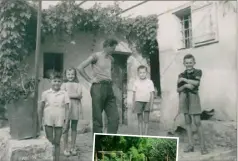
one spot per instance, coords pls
(189, 103)
(143, 107)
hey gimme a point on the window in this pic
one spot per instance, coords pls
(185, 19)
(186, 31)
(198, 24)
(52, 62)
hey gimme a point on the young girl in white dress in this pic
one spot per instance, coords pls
(73, 88)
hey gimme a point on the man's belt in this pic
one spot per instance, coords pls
(104, 82)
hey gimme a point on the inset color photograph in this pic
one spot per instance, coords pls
(115, 147)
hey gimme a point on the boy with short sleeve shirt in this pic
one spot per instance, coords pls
(54, 109)
(54, 112)
(143, 97)
(142, 89)
(189, 100)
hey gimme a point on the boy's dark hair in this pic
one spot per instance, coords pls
(189, 56)
(109, 43)
(142, 67)
(55, 75)
(75, 73)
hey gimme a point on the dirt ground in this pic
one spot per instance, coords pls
(220, 148)
(220, 137)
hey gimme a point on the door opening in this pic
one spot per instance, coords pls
(119, 76)
(155, 67)
(52, 62)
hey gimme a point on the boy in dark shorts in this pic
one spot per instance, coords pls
(189, 100)
(143, 98)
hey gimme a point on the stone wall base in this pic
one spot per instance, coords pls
(24, 150)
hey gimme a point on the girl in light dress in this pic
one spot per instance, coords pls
(74, 89)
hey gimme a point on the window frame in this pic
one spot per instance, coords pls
(184, 15)
(181, 11)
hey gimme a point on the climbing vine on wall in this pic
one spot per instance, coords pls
(97, 19)
(17, 39)
(18, 34)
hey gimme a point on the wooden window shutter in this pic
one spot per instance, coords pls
(204, 22)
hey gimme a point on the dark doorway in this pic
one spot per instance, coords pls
(155, 67)
(52, 62)
(119, 76)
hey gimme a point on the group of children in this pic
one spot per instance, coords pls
(61, 105)
(189, 101)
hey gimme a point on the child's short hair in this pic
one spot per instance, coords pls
(75, 73)
(109, 43)
(188, 56)
(55, 75)
(142, 67)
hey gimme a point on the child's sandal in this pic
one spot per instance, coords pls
(66, 153)
(204, 151)
(189, 148)
(73, 152)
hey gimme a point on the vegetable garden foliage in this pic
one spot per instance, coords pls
(155, 149)
(18, 34)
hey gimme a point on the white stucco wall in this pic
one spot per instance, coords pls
(217, 61)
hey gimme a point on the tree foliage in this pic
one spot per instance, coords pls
(17, 39)
(138, 148)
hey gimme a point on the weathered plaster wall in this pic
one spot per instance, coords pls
(218, 62)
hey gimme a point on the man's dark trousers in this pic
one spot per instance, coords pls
(103, 98)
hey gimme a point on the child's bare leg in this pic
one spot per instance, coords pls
(146, 121)
(74, 125)
(66, 140)
(140, 122)
(188, 121)
(50, 136)
(197, 122)
(57, 138)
